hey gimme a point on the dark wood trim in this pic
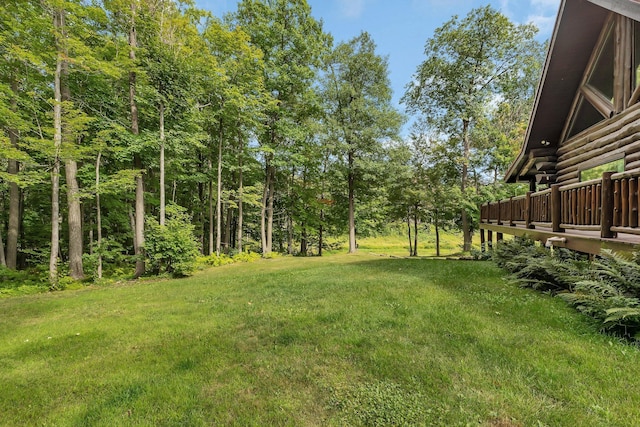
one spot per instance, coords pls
(576, 242)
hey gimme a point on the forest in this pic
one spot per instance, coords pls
(140, 134)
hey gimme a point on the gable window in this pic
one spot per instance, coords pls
(601, 76)
(585, 116)
(608, 85)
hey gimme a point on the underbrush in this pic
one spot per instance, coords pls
(215, 260)
(23, 282)
(606, 289)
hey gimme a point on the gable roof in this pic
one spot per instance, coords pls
(575, 35)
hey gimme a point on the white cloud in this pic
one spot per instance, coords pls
(351, 8)
(544, 23)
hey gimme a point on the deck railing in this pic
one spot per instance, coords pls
(610, 204)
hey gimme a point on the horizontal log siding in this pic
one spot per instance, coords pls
(613, 138)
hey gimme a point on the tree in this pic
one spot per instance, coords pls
(292, 42)
(360, 115)
(471, 64)
(235, 100)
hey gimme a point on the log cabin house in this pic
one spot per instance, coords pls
(583, 138)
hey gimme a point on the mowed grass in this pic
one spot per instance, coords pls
(339, 340)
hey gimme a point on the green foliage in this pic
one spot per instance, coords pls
(607, 289)
(171, 248)
(246, 257)
(12, 282)
(215, 260)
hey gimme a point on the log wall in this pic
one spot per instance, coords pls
(612, 139)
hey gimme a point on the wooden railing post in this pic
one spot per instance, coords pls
(527, 210)
(556, 208)
(499, 221)
(511, 211)
(606, 206)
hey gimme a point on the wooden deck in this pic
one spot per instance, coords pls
(587, 216)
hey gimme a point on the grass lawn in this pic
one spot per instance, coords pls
(342, 340)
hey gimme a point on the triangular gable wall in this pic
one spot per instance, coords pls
(590, 77)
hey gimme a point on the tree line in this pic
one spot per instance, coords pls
(125, 119)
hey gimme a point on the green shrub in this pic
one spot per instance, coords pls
(171, 248)
(215, 260)
(23, 282)
(246, 257)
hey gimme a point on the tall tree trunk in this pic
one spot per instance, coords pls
(219, 190)
(304, 241)
(289, 234)
(74, 214)
(352, 206)
(137, 161)
(272, 188)
(163, 201)
(240, 197)
(226, 241)
(263, 211)
(211, 212)
(409, 232)
(98, 217)
(74, 219)
(437, 233)
(466, 227)
(415, 229)
(58, 22)
(14, 191)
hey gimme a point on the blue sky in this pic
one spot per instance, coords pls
(400, 28)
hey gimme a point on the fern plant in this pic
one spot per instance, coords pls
(607, 288)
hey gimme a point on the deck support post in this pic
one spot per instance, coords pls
(511, 211)
(527, 210)
(556, 208)
(489, 239)
(482, 242)
(606, 205)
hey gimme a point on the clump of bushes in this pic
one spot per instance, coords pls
(171, 248)
(607, 288)
(23, 282)
(214, 260)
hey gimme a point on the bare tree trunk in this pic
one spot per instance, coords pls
(14, 192)
(240, 198)
(226, 242)
(58, 22)
(132, 222)
(98, 216)
(409, 232)
(137, 161)
(219, 191)
(415, 229)
(290, 234)
(352, 206)
(263, 211)
(163, 201)
(272, 186)
(437, 233)
(74, 219)
(466, 227)
(211, 214)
